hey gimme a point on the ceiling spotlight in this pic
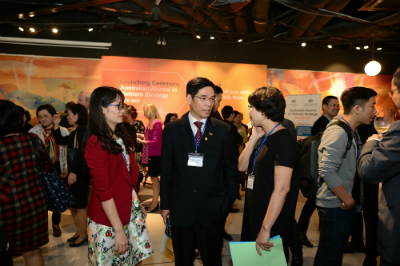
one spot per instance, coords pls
(212, 37)
(159, 41)
(31, 29)
(358, 48)
(379, 48)
(55, 30)
(303, 44)
(366, 47)
(198, 36)
(31, 14)
(373, 68)
(329, 46)
(164, 42)
(91, 29)
(240, 40)
(21, 29)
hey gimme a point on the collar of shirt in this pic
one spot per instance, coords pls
(327, 118)
(193, 126)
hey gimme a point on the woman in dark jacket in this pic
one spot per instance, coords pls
(79, 177)
(23, 203)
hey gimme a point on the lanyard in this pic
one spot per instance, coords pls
(260, 145)
(355, 137)
(195, 142)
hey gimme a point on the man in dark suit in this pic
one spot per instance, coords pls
(330, 109)
(218, 99)
(229, 115)
(380, 162)
(200, 177)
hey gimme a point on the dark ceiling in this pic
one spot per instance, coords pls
(347, 23)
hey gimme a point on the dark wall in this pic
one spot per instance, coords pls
(315, 57)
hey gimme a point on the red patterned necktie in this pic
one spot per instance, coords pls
(198, 124)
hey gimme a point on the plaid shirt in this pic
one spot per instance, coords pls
(23, 206)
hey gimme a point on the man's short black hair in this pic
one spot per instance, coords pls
(226, 111)
(396, 79)
(197, 84)
(270, 102)
(327, 99)
(356, 96)
(218, 90)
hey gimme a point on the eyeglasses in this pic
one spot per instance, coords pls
(204, 99)
(391, 93)
(249, 107)
(120, 106)
(334, 105)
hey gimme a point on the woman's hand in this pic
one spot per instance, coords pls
(64, 173)
(121, 242)
(56, 121)
(71, 178)
(258, 132)
(144, 211)
(141, 141)
(140, 136)
(262, 241)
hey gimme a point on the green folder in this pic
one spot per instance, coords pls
(245, 254)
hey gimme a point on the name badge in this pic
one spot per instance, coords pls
(195, 159)
(250, 181)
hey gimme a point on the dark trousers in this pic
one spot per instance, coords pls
(385, 263)
(56, 217)
(335, 226)
(306, 214)
(370, 213)
(296, 247)
(207, 239)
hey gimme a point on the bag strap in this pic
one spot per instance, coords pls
(349, 135)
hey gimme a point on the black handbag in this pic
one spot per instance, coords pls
(59, 199)
(70, 157)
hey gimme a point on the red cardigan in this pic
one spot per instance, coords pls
(111, 179)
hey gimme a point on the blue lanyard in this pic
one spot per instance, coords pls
(195, 142)
(259, 147)
(355, 137)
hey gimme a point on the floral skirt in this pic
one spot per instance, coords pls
(101, 240)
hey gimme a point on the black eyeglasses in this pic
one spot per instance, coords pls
(203, 99)
(120, 106)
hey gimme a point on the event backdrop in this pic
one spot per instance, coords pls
(31, 80)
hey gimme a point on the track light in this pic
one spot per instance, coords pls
(212, 37)
(90, 29)
(21, 29)
(358, 48)
(379, 49)
(303, 44)
(240, 40)
(31, 29)
(198, 36)
(159, 41)
(329, 46)
(366, 47)
(55, 30)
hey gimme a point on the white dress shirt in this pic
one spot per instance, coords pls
(193, 126)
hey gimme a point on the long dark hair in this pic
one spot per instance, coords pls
(10, 118)
(102, 97)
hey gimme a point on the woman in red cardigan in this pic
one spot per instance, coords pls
(117, 230)
(151, 154)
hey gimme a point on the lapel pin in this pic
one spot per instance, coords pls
(211, 134)
(206, 138)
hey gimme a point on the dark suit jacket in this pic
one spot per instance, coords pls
(380, 162)
(319, 125)
(198, 193)
(111, 179)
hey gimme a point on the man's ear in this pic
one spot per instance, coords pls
(357, 109)
(189, 99)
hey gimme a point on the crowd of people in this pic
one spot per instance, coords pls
(197, 165)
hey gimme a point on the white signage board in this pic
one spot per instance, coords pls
(303, 110)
